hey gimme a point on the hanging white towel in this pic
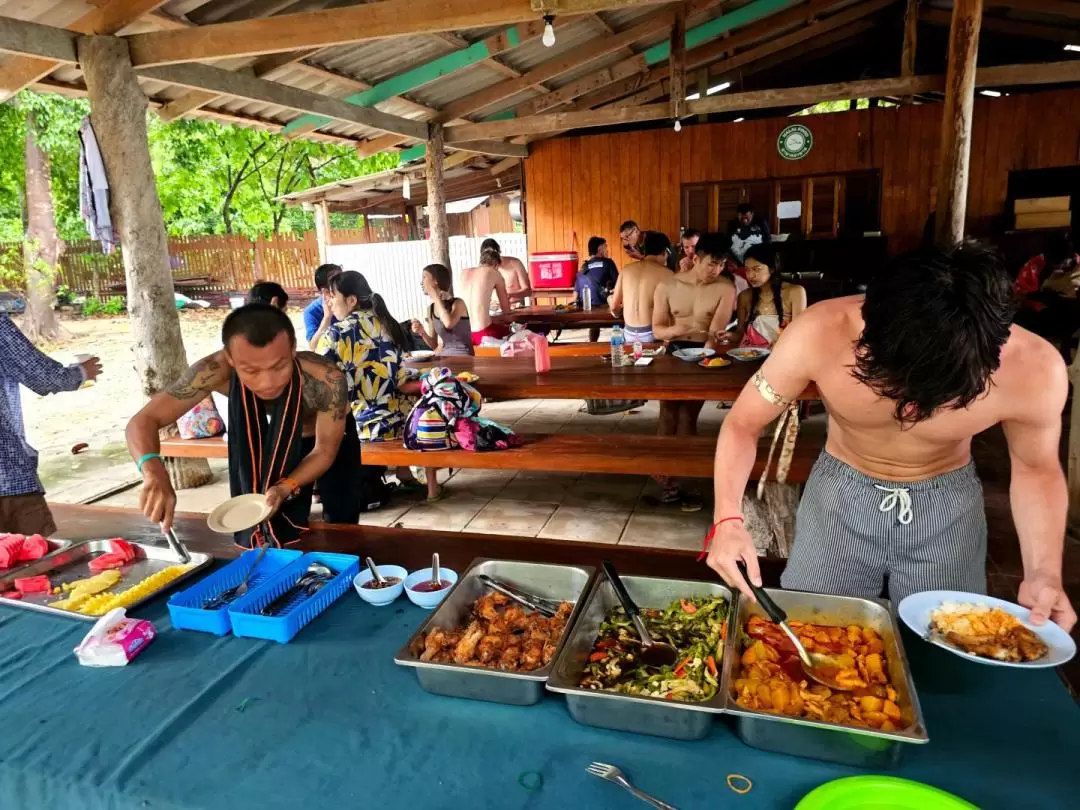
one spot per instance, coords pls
(94, 189)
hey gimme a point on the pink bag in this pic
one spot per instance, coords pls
(201, 422)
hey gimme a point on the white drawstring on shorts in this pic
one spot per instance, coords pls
(896, 498)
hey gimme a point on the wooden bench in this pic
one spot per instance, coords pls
(633, 454)
(215, 447)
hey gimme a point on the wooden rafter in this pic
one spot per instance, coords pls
(340, 26)
(1016, 28)
(1063, 8)
(1003, 76)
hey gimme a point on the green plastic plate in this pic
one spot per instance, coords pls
(880, 793)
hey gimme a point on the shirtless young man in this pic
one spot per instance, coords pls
(692, 308)
(909, 373)
(636, 287)
(477, 286)
(289, 426)
(515, 276)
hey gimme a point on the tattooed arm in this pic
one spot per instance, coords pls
(158, 500)
(325, 395)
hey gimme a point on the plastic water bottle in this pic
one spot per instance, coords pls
(586, 300)
(616, 347)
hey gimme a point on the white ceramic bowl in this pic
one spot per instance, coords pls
(693, 355)
(428, 599)
(421, 354)
(381, 596)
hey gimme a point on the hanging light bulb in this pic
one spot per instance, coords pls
(549, 30)
(678, 125)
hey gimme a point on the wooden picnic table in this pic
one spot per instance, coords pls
(549, 318)
(667, 378)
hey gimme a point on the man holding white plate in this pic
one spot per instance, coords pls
(289, 425)
(909, 373)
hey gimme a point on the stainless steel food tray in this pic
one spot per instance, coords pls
(681, 720)
(54, 546)
(72, 563)
(565, 583)
(833, 742)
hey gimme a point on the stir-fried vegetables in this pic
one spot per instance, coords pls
(695, 627)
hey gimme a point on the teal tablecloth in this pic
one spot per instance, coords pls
(329, 721)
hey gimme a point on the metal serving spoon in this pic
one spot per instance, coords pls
(653, 653)
(239, 590)
(436, 583)
(374, 572)
(311, 581)
(816, 665)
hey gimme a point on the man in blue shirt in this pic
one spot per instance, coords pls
(22, 498)
(316, 310)
(598, 274)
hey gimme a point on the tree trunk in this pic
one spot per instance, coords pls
(118, 113)
(41, 249)
(436, 198)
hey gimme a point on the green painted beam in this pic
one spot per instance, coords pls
(418, 76)
(749, 13)
(412, 153)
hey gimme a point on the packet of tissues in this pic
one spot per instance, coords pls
(114, 640)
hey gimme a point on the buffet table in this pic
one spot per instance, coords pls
(329, 721)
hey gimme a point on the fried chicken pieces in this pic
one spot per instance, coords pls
(501, 635)
(770, 677)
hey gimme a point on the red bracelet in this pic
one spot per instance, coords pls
(712, 533)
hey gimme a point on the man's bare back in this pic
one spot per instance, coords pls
(687, 308)
(635, 290)
(478, 285)
(863, 430)
(516, 278)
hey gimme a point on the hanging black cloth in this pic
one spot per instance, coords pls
(265, 445)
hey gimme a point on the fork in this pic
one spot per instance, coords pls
(613, 774)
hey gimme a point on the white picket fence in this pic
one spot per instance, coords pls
(393, 269)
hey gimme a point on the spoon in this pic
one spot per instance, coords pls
(817, 665)
(436, 583)
(316, 574)
(653, 653)
(236, 592)
(375, 572)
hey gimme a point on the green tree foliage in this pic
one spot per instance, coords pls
(212, 178)
(57, 122)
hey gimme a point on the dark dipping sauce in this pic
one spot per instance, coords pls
(375, 585)
(427, 586)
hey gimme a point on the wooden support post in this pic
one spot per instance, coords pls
(952, 183)
(907, 56)
(436, 197)
(118, 114)
(678, 66)
(322, 230)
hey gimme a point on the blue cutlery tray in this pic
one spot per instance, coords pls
(244, 612)
(186, 607)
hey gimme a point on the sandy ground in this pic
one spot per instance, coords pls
(97, 413)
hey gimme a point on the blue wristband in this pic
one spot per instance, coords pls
(145, 457)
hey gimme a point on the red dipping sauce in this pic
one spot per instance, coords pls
(428, 587)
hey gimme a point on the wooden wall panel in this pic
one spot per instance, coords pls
(591, 183)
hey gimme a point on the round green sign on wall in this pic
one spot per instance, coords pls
(795, 142)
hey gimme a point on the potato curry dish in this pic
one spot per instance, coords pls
(501, 635)
(771, 678)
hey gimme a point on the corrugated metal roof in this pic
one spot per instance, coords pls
(458, 85)
(380, 59)
(567, 38)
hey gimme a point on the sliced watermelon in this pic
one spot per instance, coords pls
(38, 584)
(121, 546)
(113, 559)
(13, 595)
(10, 549)
(33, 548)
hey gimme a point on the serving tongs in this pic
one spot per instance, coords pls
(176, 546)
(540, 604)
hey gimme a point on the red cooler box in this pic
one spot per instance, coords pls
(553, 270)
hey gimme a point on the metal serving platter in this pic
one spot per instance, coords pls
(833, 742)
(562, 582)
(72, 563)
(54, 546)
(678, 719)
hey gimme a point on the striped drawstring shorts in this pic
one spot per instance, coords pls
(853, 530)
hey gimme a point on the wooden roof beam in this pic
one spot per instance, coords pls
(245, 85)
(998, 25)
(106, 19)
(1062, 8)
(1003, 76)
(339, 26)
